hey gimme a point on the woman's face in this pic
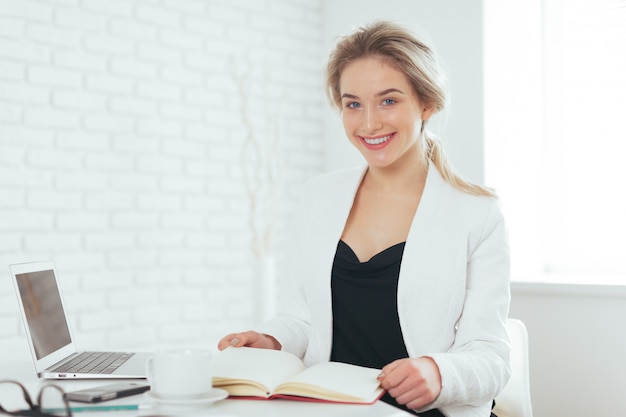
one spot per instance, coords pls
(381, 115)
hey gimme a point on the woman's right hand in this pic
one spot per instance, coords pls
(249, 339)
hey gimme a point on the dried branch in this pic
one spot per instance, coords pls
(252, 161)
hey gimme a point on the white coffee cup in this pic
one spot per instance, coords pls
(180, 373)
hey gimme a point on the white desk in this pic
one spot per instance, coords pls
(24, 373)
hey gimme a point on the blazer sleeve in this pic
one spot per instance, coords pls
(476, 367)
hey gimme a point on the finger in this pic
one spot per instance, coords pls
(241, 339)
(418, 403)
(394, 375)
(238, 340)
(389, 368)
(226, 341)
(249, 338)
(421, 386)
(413, 400)
(417, 398)
(413, 392)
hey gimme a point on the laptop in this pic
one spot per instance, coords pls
(52, 346)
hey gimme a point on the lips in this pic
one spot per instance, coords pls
(376, 141)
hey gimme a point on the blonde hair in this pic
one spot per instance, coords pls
(418, 63)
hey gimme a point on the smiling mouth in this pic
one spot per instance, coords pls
(376, 141)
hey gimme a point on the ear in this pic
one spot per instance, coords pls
(427, 112)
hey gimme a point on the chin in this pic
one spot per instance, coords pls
(377, 163)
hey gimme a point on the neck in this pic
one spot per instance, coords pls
(399, 177)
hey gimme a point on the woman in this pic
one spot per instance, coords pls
(402, 265)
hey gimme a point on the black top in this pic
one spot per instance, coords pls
(366, 327)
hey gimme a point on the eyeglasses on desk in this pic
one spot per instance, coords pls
(22, 404)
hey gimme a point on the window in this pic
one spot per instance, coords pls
(555, 93)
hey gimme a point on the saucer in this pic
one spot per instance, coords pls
(216, 394)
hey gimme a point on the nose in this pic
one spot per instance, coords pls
(372, 121)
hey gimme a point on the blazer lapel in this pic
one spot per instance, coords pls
(427, 273)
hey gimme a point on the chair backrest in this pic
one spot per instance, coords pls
(514, 400)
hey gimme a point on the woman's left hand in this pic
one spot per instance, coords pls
(413, 382)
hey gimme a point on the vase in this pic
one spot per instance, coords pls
(264, 289)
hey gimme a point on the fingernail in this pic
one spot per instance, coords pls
(381, 375)
(234, 342)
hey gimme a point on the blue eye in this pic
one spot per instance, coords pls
(388, 102)
(353, 105)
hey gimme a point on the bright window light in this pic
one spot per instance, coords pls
(555, 87)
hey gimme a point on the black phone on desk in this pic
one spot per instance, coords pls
(106, 392)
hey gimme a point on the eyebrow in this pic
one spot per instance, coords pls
(382, 93)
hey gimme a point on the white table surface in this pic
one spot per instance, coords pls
(23, 372)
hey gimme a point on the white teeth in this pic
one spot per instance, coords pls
(377, 141)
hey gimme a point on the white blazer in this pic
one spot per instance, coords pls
(453, 289)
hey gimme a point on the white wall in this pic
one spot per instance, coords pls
(577, 344)
(454, 29)
(120, 156)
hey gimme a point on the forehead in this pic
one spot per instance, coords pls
(372, 74)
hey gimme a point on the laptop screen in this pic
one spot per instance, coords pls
(44, 311)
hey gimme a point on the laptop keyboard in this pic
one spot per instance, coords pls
(94, 363)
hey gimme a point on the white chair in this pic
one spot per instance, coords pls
(514, 400)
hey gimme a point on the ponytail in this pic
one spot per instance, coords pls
(435, 154)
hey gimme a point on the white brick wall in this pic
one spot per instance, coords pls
(120, 156)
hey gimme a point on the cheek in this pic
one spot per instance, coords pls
(350, 122)
(398, 117)
(406, 120)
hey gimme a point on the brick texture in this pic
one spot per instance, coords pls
(122, 151)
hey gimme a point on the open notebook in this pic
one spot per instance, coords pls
(52, 346)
